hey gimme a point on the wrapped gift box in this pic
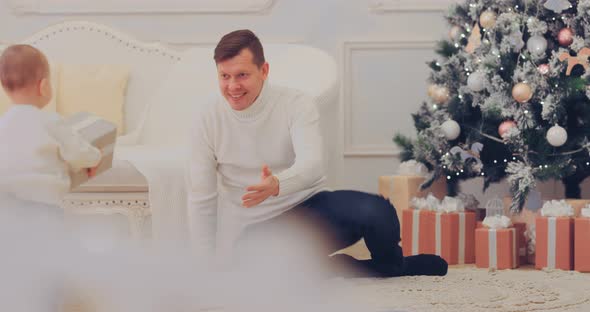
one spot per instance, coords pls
(401, 189)
(496, 248)
(98, 132)
(521, 241)
(418, 235)
(582, 244)
(449, 235)
(529, 217)
(555, 242)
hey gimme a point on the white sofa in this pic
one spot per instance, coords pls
(164, 86)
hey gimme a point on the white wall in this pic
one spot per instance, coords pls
(383, 71)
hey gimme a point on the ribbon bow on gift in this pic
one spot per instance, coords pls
(428, 203)
(469, 201)
(497, 222)
(451, 204)
(412, 168)
(557, 208)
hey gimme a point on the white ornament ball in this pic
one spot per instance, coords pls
(451, 129)
(537, 45)
(556, 136)
(455, 33)
(475, 82)
(487, 19)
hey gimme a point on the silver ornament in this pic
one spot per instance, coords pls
(557, 5)
(536, 45)
(475, 82)
(556, 136)
(451, 129)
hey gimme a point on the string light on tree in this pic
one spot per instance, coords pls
(556, 136)
(451, 129)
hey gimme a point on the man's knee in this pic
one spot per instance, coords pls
(380, 209)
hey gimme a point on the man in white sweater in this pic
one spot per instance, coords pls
(254, 129)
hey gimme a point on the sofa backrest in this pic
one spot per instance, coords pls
(181, 79)
(81, 43)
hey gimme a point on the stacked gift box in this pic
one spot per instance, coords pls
(582, 241)
(443, 229)
(528, 216)
(536, 235)
(497, 241)
(405, 185)
(555, 236)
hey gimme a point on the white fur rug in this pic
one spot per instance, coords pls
(471, 289)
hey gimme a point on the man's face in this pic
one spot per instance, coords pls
(240, 80)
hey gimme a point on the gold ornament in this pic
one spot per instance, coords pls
(431, 90)
(455, 33)
(581, 59)
(474, 40)
(487, 19)
(522, 92)
(440, 94)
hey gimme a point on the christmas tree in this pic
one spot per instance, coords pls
(508, 97)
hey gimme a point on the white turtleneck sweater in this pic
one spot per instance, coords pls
(38, 149)
(280, 129)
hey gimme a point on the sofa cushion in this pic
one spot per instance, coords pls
(121, 178)
(99, 89)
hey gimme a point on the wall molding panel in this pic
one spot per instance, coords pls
(389, 6)
(349, 50)
(140, 6)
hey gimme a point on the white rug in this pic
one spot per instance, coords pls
(471, 289)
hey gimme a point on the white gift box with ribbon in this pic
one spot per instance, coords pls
(98, 132)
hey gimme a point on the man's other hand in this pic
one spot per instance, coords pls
(256, 194)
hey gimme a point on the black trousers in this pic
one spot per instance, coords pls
(330, 221)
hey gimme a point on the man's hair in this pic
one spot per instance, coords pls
(234, 42)
(21, 66)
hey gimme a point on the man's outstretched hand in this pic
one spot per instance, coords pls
(269, 186)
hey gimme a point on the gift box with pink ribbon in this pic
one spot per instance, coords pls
(496, 244)
(555, 236)
(441, 228)
(582, 241)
